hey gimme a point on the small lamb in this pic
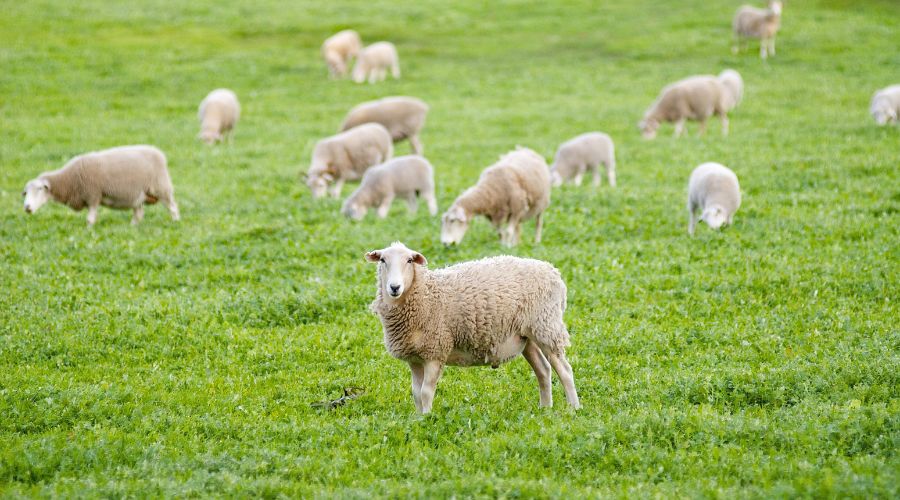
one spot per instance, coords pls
(886, 105)
(479, 313)
(583, 154)
(752, 22)
(407, 177)
(404, 118)
(374, 61)
(122, 178)
(734, 88)
(219, 112)
(713, 189)
(694, 98)
(338, 50)
(508, 192)
(346, 156)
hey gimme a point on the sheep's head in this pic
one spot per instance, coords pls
(396, 269)
(883, 113)
(555, 178)
(318, 183)
(714, 216)
(36, 194)
(454, 224)
(209, 136)
(775, 6)
(648, 128)
(353, 209)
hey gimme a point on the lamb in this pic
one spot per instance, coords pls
(405, 176)
(374, 61)
(338, 50)
(695, 98)
(404, 118)
(219, 112)
(122, 178)
(752, 22)
(713, 189)
(346, 156)
(583, 154)
(510, 191)
(734, 88)
(886, 105)
(477, 313)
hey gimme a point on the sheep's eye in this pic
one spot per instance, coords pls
(382, 260)
(409, 260)
(24, 193)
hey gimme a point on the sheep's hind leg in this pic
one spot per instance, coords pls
(679, 127)
(692, 220)
(538, 227)
(432, 203)
(724, 118)
(564, 372)
(413, 203)
(432, 373)
(385, 207)
(416, 145)
(92, 215)
(595, 175)
(418, 374)
(138, 215)
(541, 367)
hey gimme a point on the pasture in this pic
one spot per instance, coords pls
(182, 359)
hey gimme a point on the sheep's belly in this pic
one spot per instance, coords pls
(509, 349)
(114, 202)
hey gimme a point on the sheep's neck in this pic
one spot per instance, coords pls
(406, 321)
(65, 185)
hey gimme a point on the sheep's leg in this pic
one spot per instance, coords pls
(92, 215)
(611, 173)
(538, 227)
(385, 206)
(372, 75)
(692, 221)
(173, 209)
(432, 373)
(336, 189)
(762, 48)
(724, 118)
(702, 129)
(432, 203)
(564, 371)
(416, 145)
(138, 214)
(418, 374)
(735, 43)
(578, 178)
(595, 173)
(413, 203)
(772, 46)
(541, 367)
(679, 127)
(395, 70)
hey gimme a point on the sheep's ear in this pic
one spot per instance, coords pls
(373, 256)
(419, 259)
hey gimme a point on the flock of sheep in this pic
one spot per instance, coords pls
(484, 312)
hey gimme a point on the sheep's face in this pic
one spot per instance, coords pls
(714, 217)
(648, 128)
(454, 224)
(318, 184)
(210, 136)
(396, 269)
(776, 6)
(36, 194)
(883, 115)
(555, 178)
(353, 209)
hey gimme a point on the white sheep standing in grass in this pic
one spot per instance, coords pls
(219, 112)
(734, 88)
(338, 50)
(479, 313)
(508, 192)
(753, 22)
(886, 105)
(126, 177)
(407, 177)
(713, 190)
(693, 98)
(374, 61)
(584, 154)
(403, 116)
(346, 156)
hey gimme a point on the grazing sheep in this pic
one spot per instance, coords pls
(122, 178)
(713, 189)
(404, 118)
(405, 176)
(694, 98)
(478, 313)
(219, 113)
(338, 50)
(886, 105)
(583, 154)
(374, 61)
(346, 156)
(752, 22)
(734, 88)
(508, 192)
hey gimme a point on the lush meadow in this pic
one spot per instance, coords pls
(183, 358)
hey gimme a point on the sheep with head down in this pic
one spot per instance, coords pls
(407, 177)
(219, 113)
(713, 190)
(347, 156)
(694, 98)
(885, 106)
(373, 63)
(403, 116)
(584, 154)
(338, 50)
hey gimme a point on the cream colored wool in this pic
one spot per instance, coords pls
(713, 189)
(885, 106)
(584, 154)
(694, 98)
(219, 113)
(374, 61)
(406, 177)
(734, 88)
(752, 22)
(403, 116)
(338, 50)
(346, 156)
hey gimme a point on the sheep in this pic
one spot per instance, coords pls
(346, 156)
(219, 112)
(695, 98)
(734, 88)
(752, 22)
(886, 105)
(405, 176)
(583, 154)
(512, 190)
(404, 118)
(121, 178)
(374, 61)
(338, 50)
(714, 190)
(477, 313)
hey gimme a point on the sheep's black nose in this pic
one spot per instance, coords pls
(395, 288)
(28, 210)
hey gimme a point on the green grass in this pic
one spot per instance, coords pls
(181, 359)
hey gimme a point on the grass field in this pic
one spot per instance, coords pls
(181, 359)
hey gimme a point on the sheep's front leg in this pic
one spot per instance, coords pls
(772, 45)
(611, 175)
(541, 367)
(418, 374)
(702, 128)
(138, 215)
(385, 206)
(432, 373)
(763, 45)
(416, 145)
(724, 118)
(92, 215)
(679, 127)
(595, 173)
(412, 203)
(564, 372)
(538, 227)
(432, 203)
(336, 189)
(692, 221)
(578, 178)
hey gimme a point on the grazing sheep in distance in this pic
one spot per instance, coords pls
(219, 112)
(734, 88)
(694, 98)
(714, 190)
(508, 192)
(374, 61)
(752, 22)
(886, 105)
(479, 313)
(126, 177)
(338, 50)
(406, 177)
(404, 118)
(346, 156)
(583, 154)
